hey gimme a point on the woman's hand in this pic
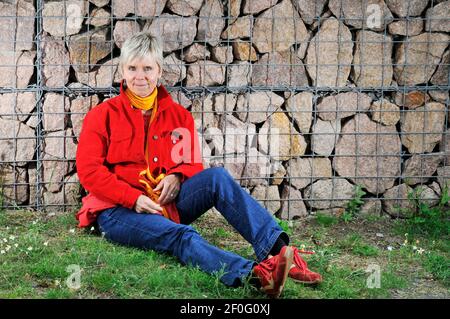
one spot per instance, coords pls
(145, 205)
(170, 186)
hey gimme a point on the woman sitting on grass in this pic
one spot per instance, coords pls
(143, 194)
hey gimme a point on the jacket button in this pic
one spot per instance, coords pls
(155, 159)
(174, 141)
(155, 137)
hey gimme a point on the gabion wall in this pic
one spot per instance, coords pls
(300, 100)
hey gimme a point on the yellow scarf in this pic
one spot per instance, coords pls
(143, 103)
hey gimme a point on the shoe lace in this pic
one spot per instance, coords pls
(298, 260)
(267, 266)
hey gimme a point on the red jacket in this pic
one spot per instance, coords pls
(110, 151)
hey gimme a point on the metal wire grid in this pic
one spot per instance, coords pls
(38, 183)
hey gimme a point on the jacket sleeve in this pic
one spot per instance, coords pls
(94, 176)
(192, 161)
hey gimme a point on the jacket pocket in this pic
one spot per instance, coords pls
(120, 148)
(120, 135)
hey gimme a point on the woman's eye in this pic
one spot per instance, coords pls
(148, 68)
(131, 68)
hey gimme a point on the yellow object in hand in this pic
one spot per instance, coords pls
(150, 183)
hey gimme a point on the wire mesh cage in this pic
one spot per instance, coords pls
(302, 101)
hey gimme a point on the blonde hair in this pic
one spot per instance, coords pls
(141, 45)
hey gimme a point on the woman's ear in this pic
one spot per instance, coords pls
(160, 71)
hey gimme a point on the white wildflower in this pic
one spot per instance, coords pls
(12, 237)
(16, 245)
(30, 248)
(2, 252)
(8, 248)
(389, 248)
(72, 230)
(420, 251)
(46, 243)
(5, 240)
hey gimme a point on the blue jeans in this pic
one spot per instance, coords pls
(210, 187)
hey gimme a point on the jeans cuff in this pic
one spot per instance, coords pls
(261, 254)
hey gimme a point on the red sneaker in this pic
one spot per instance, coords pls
(299, 271)
(273, 272)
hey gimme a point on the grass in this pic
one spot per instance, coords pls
(438, 265)
(353, 206)
(42, 249)
(355, 244)
(326, 220)
(428, 221)
(429, 226)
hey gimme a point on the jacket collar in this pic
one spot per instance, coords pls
(164, 99)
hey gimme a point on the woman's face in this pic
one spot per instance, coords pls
(141, 75)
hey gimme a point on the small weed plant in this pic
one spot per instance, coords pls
(429, 221)
(353, 207)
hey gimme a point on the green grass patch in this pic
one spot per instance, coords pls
(357, 246)
(439, 266)
(222, 233)
(423, 220)
(326, 220)
(40, 252)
